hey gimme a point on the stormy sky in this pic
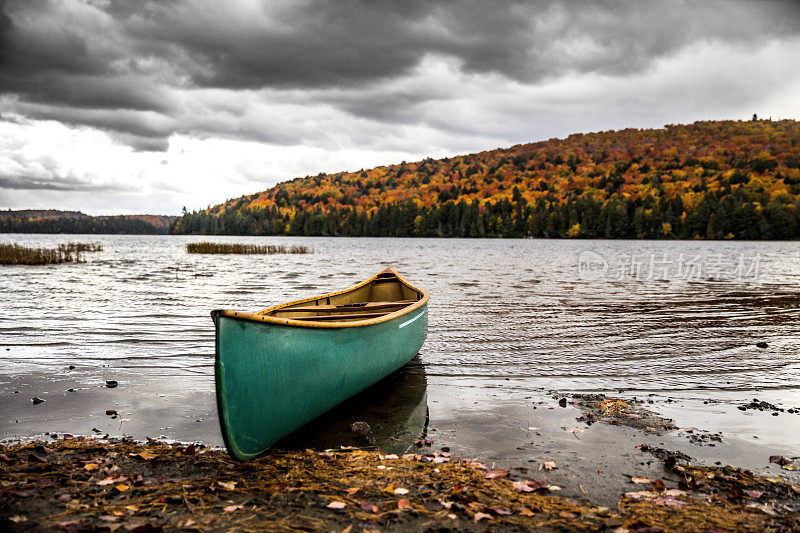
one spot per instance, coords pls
(138, 106)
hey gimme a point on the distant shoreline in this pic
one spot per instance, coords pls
(51, 221)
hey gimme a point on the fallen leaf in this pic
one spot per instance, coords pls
(352, 490)
(640, 495)
(548, 465)
(146, 455)
(133, 508)
(91, 466)
(492, 474)
(640, 480)
(501, 511)
(400, 491)
(336, 505)
(526, 512)
(122, 487)
(789, 467)
(108, 518)
(529, 485)
(404, 503)
(755, 494)
(18, 518)
(368, 507)
(227, 485)
(482, 516)
(232, 508)
(106, 481)
(567, 514)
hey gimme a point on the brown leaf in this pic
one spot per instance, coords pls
(404, 503)
(352, 490)
(122, 487)
(227, 485)
(91, 466)
(640, 480)
(482, 516)
(336, 505)
(368, 507)
(548, 465)
(567, 514)
(491, 474)
(232, 508)
(106, 481)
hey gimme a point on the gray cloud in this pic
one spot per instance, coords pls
(145, 70)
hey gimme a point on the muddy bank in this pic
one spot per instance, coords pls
(84, 484)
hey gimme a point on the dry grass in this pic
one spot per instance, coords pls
(231, 248)
(14, 254)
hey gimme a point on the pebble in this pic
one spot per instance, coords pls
(360, 427)
(562, 402)
(36, 400)
(111, 383)
(761, 344)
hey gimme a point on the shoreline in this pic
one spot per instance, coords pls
(591, 447)
(88, 484)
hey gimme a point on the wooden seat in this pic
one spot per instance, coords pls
(365, 306)
(339, 317)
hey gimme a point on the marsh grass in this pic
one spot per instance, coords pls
(14, 254)
(82, 247)
(230, 248)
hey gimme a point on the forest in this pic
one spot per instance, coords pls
(74, 222)
(707, 180)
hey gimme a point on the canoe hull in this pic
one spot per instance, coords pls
(271, 379)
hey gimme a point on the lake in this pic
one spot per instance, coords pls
(514, 324)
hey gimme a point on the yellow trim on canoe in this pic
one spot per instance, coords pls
(261, 316)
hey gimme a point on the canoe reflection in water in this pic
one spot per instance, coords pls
(395, 410)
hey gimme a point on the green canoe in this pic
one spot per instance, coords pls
(277, 369)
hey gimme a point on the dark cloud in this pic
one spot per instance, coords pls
(53, 183)
(128, 67)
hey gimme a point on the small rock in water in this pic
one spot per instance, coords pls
(761, 344)
(111, 383)
(562, 402)
(360, 427)
(72, 367)
(111, 412)
(36, 400)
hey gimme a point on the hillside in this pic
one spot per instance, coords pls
(727, 179)
(54, 221)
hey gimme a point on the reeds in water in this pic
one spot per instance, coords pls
(232, 248)
(82, 247)
(14, 254)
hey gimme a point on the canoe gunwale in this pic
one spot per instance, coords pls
(262, 316)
